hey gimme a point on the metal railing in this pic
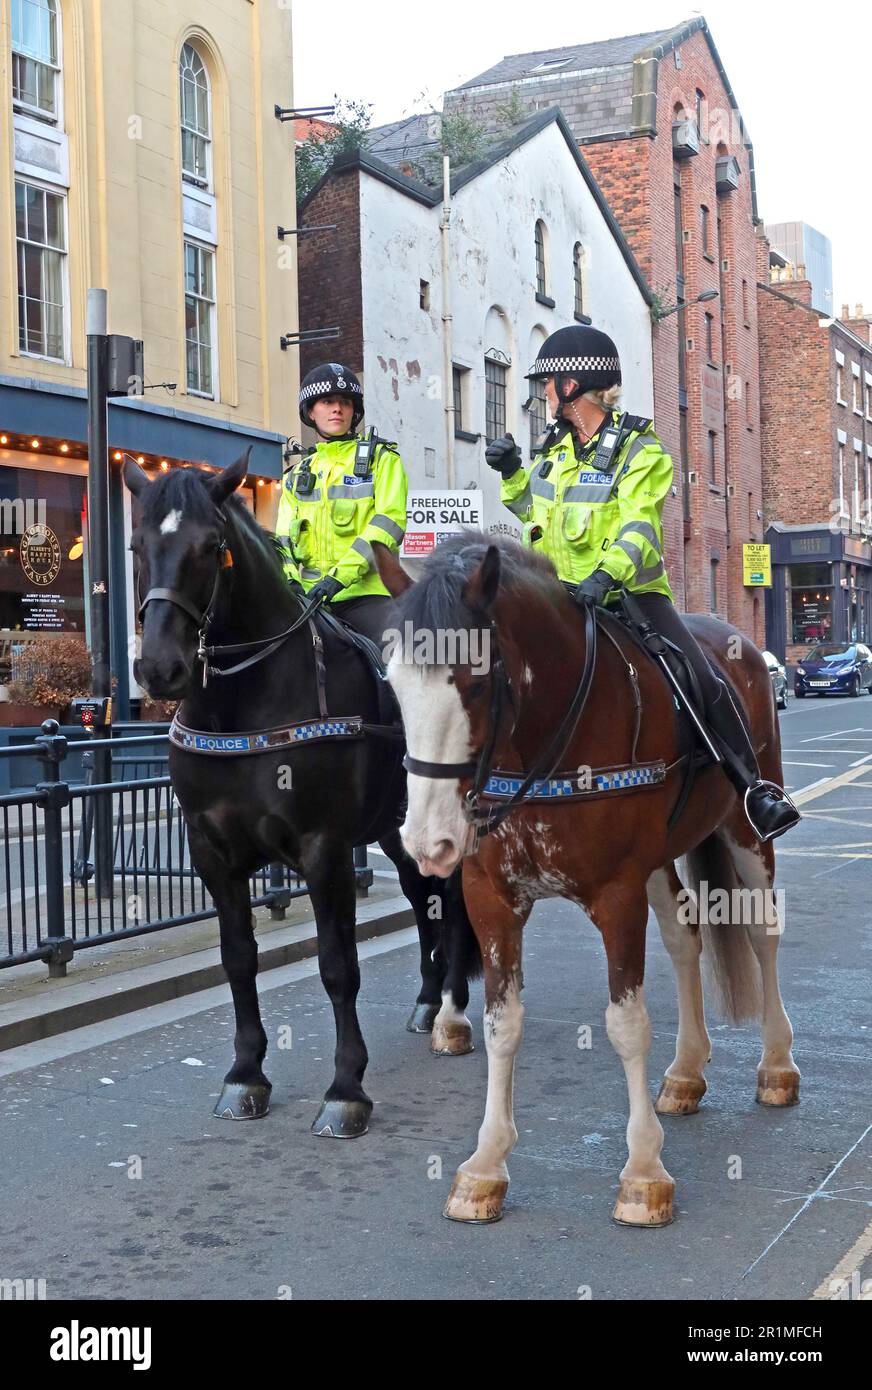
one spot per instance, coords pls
(83, 864)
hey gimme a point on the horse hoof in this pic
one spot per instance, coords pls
(343, 1119)
(778, 1087)
(240, 1100)
(644, 1202)
(478, 1201)
(679, 1097)
(422, 1018)
(452, 1039)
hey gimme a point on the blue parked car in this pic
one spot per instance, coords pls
(839, 669)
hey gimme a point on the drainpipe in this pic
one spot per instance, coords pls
(447, 344)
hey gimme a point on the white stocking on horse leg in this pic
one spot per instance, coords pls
(777, 1075)
(684, 1083)
(482, 1181)
(646, 1191)
(452, 1031)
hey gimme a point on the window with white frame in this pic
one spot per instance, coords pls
(840, 384)
(858, 448)
(841, 479)
(36, 58)
(856, 396)
(41, 247)
(196, 118)
(200, 318)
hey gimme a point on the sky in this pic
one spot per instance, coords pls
(799, 73)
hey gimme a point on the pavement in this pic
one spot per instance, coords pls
(119, 1183)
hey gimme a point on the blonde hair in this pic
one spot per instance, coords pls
(607, 398)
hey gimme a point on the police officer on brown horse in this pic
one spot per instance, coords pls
(592, 501)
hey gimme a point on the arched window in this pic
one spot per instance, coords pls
(36, 63)
(541, 269)
(578, 276)
(200, 230)
(196, 118)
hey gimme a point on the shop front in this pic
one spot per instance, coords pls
(821, 589)
(44, 616)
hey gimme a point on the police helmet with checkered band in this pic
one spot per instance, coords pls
(580, 354)
(330, 379)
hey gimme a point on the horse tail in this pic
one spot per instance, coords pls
(460, 943)
(728, 957)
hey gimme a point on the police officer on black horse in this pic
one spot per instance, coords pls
(344, 494)
(592, 502)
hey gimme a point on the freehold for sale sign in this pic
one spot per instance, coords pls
(431, 517)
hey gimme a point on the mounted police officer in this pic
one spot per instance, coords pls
(593, 502)
(344, 493)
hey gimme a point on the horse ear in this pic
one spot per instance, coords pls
(391, 572)
(135, 479)
(233, 475)
(480, 589)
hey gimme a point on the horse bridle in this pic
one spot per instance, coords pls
(484, 818)
(204, 618)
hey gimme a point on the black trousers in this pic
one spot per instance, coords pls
(370, 614)
(665, 619)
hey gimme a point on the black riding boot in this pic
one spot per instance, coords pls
(768, 808)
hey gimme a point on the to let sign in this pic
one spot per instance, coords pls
(757, 565)
(431, 517)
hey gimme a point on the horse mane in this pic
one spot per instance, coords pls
(183, 488)
(436, 601)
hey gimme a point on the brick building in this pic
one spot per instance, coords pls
(816, 424)
(659, 125)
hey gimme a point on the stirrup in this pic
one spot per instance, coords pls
(783, 799)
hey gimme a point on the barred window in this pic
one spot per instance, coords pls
(35, 60)
(578, 274)
(495, 375)
(199, 318)
(41, 251)
(538, 413)
(196, 118)
(541, 275)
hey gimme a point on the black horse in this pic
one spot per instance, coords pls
(209, 572)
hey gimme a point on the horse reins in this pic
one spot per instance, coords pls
(485, 819)
(204, 618)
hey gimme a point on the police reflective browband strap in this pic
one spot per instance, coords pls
(265, 740)
(569, 786)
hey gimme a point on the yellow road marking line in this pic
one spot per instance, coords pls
(846, 1266)
(843, 780)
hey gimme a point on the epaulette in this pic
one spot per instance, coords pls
(638, 423)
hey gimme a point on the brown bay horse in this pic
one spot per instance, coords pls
(472, 735)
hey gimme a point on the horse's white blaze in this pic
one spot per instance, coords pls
(693, 1045)
(629, 1030)
(503, 1032)
(170, 523)
(437, 731)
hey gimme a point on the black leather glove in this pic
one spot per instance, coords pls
(595, 588)
(326, 589)
(503, 455)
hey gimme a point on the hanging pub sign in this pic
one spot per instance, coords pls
(433, 516)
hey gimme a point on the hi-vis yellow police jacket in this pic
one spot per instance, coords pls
(591, 520)
(330, 530)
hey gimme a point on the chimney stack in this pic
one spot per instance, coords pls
(846, 311)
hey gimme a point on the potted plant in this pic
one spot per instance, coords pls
(49, 673)
(157, 711)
